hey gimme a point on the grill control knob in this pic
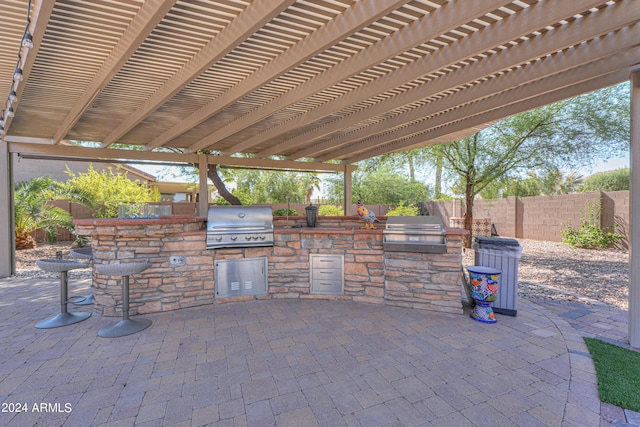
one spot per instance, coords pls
(247, 237)
(218, 238)
(234, 237)
(262, 237)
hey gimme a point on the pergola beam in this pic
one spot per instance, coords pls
(39, 19)
(431, 25)
(41, 12)
(504, 60)
(512, 27)
(251, 19)
(634, 215)
(467, 103)
(477, 122)
(362, 14)
(7, 234)
(203, 193)
(78, 153)
(150, 14)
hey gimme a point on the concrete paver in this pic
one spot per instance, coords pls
(299, 362)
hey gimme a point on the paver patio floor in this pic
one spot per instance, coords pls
(291, 363)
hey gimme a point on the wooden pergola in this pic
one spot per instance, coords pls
(295, 84)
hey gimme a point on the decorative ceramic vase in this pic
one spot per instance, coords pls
(484, 282)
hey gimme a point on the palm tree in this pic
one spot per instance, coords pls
(314, 183)
(556, 182)
(32, 212)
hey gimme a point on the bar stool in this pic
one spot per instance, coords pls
(64, 318)
(125, 326)
(84, 253)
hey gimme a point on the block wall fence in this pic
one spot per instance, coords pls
(543, 217)
(535, 218)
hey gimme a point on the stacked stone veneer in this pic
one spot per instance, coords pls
(161, 287)
(426, 281)
(371, 275)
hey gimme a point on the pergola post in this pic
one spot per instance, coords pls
(634, 215)
(7, 237)
(348, 189)
(203, 192)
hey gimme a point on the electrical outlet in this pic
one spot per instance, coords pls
(177, 261)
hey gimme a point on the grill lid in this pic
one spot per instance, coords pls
(415, 223)
(424, 234)
(221, 218)
(239, 226)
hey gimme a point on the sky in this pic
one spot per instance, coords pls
(611, 164)
(161, 171)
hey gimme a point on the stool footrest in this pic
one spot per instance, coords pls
(87, 300)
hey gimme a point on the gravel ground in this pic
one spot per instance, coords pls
(546, 270)
(26, 261)
(556, 271)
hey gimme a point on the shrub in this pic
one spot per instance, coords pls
(105, 190)
(32, 212)
(590, 235)
(285, 212)
(614, 180)
(330, 210)
(403, 210)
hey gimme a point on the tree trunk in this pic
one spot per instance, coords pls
(412, 168)
(468, 213)
(212, 174)
(25, 241)
(438, 185)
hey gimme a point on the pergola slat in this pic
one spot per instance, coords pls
(299, 78)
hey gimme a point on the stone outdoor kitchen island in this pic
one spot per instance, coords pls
(182, 271)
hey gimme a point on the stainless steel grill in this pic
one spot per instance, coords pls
(239, 226)
(424, 234)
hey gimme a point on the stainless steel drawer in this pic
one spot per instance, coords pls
(327, 274)
(326, 261)
(326, 287)
(332, 274)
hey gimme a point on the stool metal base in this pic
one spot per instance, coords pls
(124, 327)
(63, 319)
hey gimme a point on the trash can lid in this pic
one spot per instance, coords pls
(478, 269)
(496, 241)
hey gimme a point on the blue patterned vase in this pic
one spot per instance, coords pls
(484, 282)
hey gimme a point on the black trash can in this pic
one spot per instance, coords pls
(504, 255)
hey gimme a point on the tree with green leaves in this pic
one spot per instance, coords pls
(411, 162)
(510, 187)
(381, 185)
(106, 190)
(252, 186)
(569, 133)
